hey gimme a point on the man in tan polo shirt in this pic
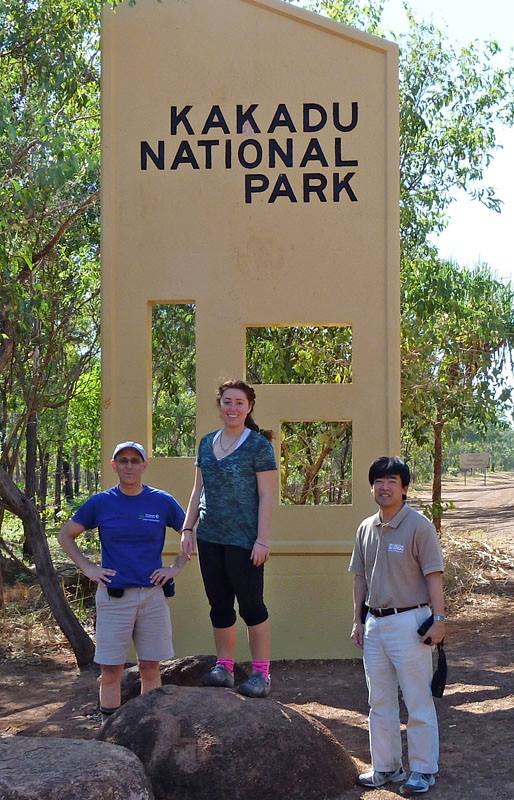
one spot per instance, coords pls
(398, 567)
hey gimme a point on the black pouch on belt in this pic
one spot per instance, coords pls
(169, 588)
(113, 592)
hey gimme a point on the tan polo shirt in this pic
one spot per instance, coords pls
(394, 558)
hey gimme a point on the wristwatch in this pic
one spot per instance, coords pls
(439, 618)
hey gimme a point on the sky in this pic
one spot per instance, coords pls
(474, 234)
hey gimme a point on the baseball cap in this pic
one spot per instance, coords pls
(134, 445)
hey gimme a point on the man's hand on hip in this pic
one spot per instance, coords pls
(98, 574)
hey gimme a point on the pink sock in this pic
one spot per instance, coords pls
(228, 663)
(261, 666)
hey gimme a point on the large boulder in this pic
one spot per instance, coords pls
(69, 769)
(213, 744)
(186, 671)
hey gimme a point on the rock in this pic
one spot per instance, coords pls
(213, 744)
(69, 769)
(187, 671)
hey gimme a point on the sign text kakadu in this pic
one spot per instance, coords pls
(276, 145)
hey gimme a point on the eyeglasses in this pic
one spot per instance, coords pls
(124, 460)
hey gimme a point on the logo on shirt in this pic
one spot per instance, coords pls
(149, 517)
(396, 548)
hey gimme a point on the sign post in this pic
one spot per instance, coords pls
(250, 167)
(470, 461)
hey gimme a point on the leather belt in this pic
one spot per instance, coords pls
(386, 612)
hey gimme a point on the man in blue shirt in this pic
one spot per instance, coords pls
(130, 600)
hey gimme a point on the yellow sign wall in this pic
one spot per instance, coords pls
(250, 166)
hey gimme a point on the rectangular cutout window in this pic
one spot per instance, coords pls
(316, 463)
(173, 379)
(306, 354)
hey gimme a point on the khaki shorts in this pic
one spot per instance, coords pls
(142, 615)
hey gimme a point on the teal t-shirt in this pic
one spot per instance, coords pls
(229, 503)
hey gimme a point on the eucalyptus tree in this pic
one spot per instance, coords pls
(458, 340)
(173, 379)
(49, 159)
(49, 134)
(83, 424)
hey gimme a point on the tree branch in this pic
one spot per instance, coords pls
(49, 246)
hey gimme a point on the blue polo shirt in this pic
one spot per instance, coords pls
(132, 530)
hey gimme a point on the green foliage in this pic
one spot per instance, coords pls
(83, 424)
(497, 440)
(351, 12)
(436, 509)
(174, 379)
(12, 533)
(457, 339)
(309, 354)
(316, 463)
(450, 102)
(49, 164)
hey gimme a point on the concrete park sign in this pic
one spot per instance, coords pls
(250, 169)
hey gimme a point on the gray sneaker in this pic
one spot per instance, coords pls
(374, 779)
(255, 686)
(418, 783)
(219, 676)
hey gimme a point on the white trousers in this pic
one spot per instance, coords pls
(395, 655)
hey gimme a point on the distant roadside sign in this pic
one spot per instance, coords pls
(475, 460)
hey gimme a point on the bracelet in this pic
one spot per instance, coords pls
(186, 529)
(439, 618)
(262, 544)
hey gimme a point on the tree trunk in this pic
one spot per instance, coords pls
(89, 481)
(68, 479)
(1, 572)
(316, 491)
(58, 482)
(44, 463)
(311, 474)
(30, 468)
(342, 472)
(76, 472)
(31, 456)
(21, 506)
(437, 508)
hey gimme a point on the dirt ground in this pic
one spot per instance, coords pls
(476, 714)
(487, 509)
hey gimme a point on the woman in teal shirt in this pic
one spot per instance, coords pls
(232, 501)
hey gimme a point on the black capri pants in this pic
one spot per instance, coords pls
(227, 573)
